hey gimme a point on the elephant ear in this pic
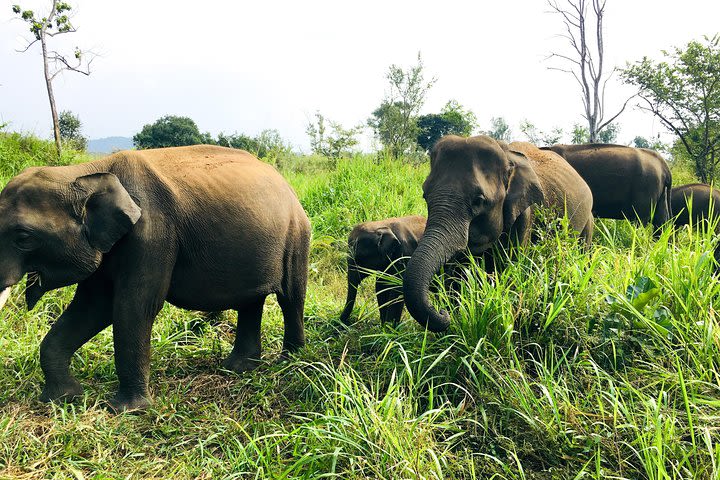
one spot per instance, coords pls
(523, 188)
(388, 244)
(106, 209)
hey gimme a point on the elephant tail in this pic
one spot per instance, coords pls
(663, 208)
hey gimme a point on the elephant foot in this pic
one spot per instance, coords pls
(239, 364)
(128, 402)
(65, 391)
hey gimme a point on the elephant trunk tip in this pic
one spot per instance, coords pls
(440, 323)
(428, 317)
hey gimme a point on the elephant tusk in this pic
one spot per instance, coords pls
(4, 295)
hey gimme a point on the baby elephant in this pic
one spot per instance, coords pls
(698, 197)
(377, 246)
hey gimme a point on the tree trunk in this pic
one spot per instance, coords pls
(51, 97)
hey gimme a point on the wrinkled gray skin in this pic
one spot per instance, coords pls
(702, 200)
(384, 246)
(626, 182)
(205, 228)
(479, 193)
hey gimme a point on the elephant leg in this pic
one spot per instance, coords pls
(586, 234)
(247, 350)
(89, 313)
(390, 301)
(135, 308)
(292, 303)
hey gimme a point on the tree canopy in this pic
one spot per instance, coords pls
(453, 119)
(330, 139)
(683, 91)
(394, 122)
(71, 130)
(170, 131)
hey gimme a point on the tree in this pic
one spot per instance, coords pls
(684, 93)
(267, 145)
(271, 145)
(394, 122)
(70, 130)
(170, 131)
(56, 22)
(540, 137)
(463, 120)
(580, 134)
(584, 33)
(239, 141)
(500, 129)
(452, 120)
(642, 142)
(332, 144)
(609, 133)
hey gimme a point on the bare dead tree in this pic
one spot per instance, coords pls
(56, 22)
(584, 33)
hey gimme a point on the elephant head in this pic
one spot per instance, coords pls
(476, 189)
(55, 227)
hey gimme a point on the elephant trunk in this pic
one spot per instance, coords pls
(445, 236)
(354, 279)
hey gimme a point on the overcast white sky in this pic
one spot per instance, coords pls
(244, 66)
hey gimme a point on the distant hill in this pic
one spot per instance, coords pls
(109, 144)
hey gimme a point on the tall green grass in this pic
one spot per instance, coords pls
(567, 363)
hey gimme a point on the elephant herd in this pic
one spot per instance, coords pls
(211, 228)
(478, 193)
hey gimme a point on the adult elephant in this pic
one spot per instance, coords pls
(481, 191)
(626, 182)
(203, 227)
(697, 199)
(695, 203)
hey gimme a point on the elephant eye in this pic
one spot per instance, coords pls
(479, 200)
(24, 240)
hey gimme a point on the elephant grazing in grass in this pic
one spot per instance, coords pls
(203, 227)
(695, 203)
(626, 182)
(383, 246)
(480, 192)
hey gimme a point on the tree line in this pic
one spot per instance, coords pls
(682, 91)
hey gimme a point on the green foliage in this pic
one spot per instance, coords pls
(239, 141)
(336, 143)
(19, 151)
(608, 134)
(268, 145)
(579, 135)
(40, 25)
(653, 144)
(394, 122)
(170, 131)
(71, 131)
(272, 147)
(641, 142)
(539, 137)
(499, 130)
(453, 119)
(683, 92)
